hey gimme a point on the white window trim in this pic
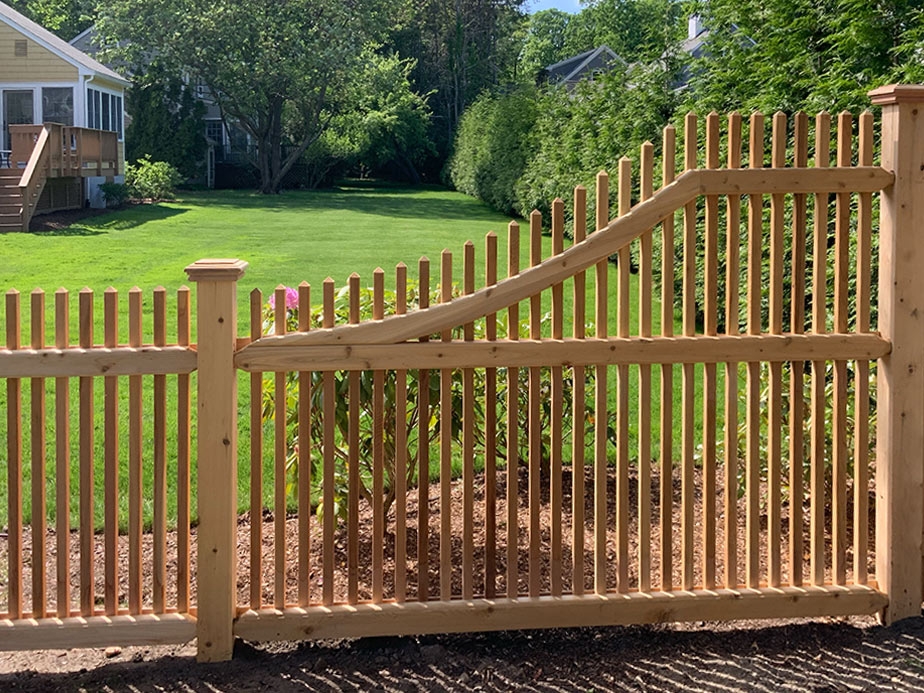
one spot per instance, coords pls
(36, 89)
(107, 90)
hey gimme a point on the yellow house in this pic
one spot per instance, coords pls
(62, 123)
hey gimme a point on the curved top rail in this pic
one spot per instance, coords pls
(596, 246)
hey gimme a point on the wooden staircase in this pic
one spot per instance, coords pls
(11, 218)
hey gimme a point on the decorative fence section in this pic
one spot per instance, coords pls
(65, 584)
(518, 559)
(517, 456)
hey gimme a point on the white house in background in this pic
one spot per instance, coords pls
(46, 83)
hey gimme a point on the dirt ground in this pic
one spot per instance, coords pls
(826, 655)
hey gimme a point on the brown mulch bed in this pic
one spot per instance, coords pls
(365, 548)
(56, 221)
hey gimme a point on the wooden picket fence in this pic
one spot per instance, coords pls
(590, 538)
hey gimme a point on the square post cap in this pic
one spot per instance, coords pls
(897, 93)
(216, 270)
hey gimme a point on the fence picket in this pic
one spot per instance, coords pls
(160, 458)
(732, 289)
(666, 422)
(600, 394)
(775, 406)
(754, 264)
(62, 463)
(468, 439)
(87, 536)
(111, 460)
(329, 517)
(687, 370)
(280, 448)
(182, 457)
(14, 462)
(378, 451)
(819, 326)
(256, 460)
(37, 422)
(353, 480)
(535, 422)
(401, 460)
(490, 433)
(304, 457)
(624, 203)
(557, 412)
(423, 449)
(135, 459)
(446, 442)
(839, 420)
(861, 382)
(513, 434)
(710, 312)
(646, 189)
(578, 406)
(796, 374)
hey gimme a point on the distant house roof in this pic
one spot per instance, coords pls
(572, 70)
(58, 46)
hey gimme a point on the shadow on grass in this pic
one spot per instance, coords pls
(118, 220)
(423, 202)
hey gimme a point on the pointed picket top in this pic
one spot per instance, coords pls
(303, 284)
(490, 234)
(401, 266)
(61, 290)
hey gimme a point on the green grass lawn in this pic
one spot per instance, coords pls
(293, 237)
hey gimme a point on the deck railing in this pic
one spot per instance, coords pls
(614, 522)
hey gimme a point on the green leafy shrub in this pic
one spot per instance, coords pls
(152, 180)
(115, 194)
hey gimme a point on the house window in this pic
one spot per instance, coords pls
(104, 112)
(58, 105)
(21, 49)
(213, 131)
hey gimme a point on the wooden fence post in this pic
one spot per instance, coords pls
(216, 310)
(900, 439)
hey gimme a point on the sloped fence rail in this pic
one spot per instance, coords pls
(787, 479)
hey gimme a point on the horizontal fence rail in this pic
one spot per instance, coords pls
(696, 409)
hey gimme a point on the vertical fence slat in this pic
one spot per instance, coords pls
(423, 450)
(468, 439)
(754, 279)
(666, 422)
(775, 405)
(304, 457)
(688, 421)
(256, 460)
(401, 458)
(578, 406)
(624, 202)
(111, 460)
(796, 375)
(329, 518)
(535, 421)
(861, 385)
(135, 461)
(819, 326)
(446, 442)
(160, 458)
(513, 433)
(710, 313)
(353, 480)
(601, 320)
(14, 461)
(280, 415)
(732, 289)
(62, 462)
(37, 421)
(182, 457)
(87, 537)
(557, 411)
(839, 423)
(490, 433)
(378, 451)
(646, 189)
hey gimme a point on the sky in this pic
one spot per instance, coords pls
(564, 5)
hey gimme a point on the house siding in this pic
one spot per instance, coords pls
(39, 65)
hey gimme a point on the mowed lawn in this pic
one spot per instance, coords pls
(293, 237)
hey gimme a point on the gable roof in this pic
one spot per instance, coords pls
(571, 68)
(58, 46)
